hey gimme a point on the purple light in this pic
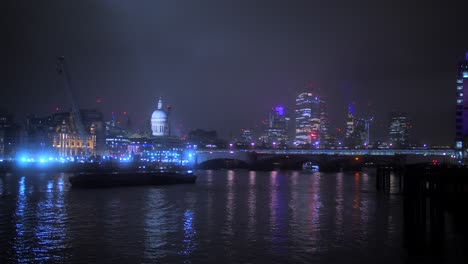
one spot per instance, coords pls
(466, 55)
(279, 110)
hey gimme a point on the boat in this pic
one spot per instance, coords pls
(309, 166)
(130, 178)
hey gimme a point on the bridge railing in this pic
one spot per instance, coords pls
(342, 152)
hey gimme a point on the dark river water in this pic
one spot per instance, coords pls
(226, 217)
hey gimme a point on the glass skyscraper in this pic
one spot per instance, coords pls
(276, 132)
(311, 120)
(399, 129)
(357, 130)
(461, 119)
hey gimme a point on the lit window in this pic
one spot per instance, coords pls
(465, 74)
(459, 81)
(459, 101)
(460, 94)
(459, 144)
(460, 87)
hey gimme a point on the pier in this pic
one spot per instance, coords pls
(435, 198)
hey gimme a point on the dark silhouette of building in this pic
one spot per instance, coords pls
(205, 139)
(9, 135)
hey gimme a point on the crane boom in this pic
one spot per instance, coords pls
(62, 69)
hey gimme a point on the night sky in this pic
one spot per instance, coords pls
(223, 64)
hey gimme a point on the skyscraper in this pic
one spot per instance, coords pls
(311, 120)
(461, 118)
(399, 129)
(357, 130)
(276, 132)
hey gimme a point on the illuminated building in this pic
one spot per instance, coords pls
(52, 133)
(311, 120)
(117, 141)
(461, 115)
(160, 121)
(246, 138)
(357, 130)
(350, 122)
(69, 143)
(276, 132)
(399, 130)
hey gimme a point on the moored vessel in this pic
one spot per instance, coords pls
(131, 178)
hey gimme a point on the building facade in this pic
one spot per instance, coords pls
(399, 130)
(160, 121)
(276, 131)
(311, 121)
(117, 140)
(69, 143)
(461, 118)
(357, 130)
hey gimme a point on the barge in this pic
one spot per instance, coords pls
(130, 178)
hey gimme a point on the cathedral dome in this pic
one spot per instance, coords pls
(158, 115)
(159, 122)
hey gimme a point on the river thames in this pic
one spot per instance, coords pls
(226, 217)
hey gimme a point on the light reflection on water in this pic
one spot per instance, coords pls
(252, 202)
(230, 204)
(233, 216)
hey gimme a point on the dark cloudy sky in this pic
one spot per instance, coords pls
(223, 64)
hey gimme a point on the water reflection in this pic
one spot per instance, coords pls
(251, 202)
(51, 230)
(293, 202)
(315, 202)
(273, 200)
(339, 207)
(21, 244)
(155, 225)
(230, 203)
(189, 243)
(209, 199)
(1, 185)
(232, 216)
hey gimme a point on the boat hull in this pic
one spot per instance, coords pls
(97, 180)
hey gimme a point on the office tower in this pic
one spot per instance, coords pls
(311, 120)
(399, 130)
(461, 118)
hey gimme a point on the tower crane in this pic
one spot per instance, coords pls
(62, 69)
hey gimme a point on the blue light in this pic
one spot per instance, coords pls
(41, 160)
(189, 171)
(279, 110)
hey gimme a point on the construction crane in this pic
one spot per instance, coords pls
(62, 69)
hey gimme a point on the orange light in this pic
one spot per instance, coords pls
(356, 158)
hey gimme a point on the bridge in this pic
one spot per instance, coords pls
(331, 157)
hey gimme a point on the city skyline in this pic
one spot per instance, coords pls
(352, 54)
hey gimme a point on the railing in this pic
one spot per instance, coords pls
(343, 152)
